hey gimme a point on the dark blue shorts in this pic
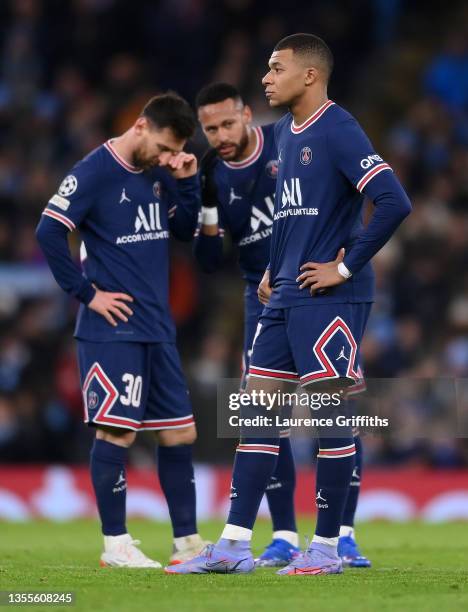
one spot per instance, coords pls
(133, 385)
(311, 343)
(252, 311)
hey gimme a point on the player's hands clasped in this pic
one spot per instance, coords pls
(181, 165)
(320, 276)
(111, 305)
(264, 290)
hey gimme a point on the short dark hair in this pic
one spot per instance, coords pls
(172, 111)
(308, 45)
(217, 92)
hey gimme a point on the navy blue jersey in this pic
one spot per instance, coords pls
(246, 192)
(124, 217)
(325, 166)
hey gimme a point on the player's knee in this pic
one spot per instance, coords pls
(120, 437)
(174, 437)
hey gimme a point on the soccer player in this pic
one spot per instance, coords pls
(125, 198)
(318, 290)
(238, 177)
(238, 182)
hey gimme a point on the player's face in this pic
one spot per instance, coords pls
(286, 80)
(226, 127)
(152, 142)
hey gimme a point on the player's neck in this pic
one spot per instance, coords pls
(251, 145)
(306, 107)
(124, 147)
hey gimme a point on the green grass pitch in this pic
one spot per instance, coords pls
(417, 567)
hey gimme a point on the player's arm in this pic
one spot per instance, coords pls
(184, 193)
(61, 216)
(350, 149)
(208, 244)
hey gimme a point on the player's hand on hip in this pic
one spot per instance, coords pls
(181, 165)
(320, 276)
(111, 306)
(264, 290)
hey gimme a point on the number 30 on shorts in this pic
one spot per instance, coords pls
(132, 391)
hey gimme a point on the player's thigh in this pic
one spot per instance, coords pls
(324, 340)
(168, 406)
(114, 381)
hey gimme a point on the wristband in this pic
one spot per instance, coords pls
(343, 270)
(209, 216)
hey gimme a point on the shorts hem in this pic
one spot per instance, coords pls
(159, 424)
(97, 423)
(273, 374)
(315, 379)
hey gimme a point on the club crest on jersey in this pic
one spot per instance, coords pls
(68, 185)
(306, 156)
(93, 400)
(272, 168)
(157, 189)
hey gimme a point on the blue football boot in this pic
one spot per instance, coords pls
(277, 554)
(350, 554)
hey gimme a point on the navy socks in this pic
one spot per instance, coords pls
(354, 488)
(254, 465)
(175, 470)
(110, 486)
(335, 464)
(280, 489)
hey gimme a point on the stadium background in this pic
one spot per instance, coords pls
(74, 73)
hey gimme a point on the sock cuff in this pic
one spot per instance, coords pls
(235, 532)
(338, 452)
(289, 536)
(346, 531)
(333, 542)
(109, 452)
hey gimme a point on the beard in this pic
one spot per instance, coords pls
(142, 162)
(238, 149)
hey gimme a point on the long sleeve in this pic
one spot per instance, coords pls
(52, 238)
(208, 250)
(184, 208)
(353, 154)
(392, 205)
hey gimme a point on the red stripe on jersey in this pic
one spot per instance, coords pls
(59, 217)
(297, 129)
(120, 159)
(370, 175)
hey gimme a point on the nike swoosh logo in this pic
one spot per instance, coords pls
(225, 564)
(216, 563)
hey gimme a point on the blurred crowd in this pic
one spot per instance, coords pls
(73, 74)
